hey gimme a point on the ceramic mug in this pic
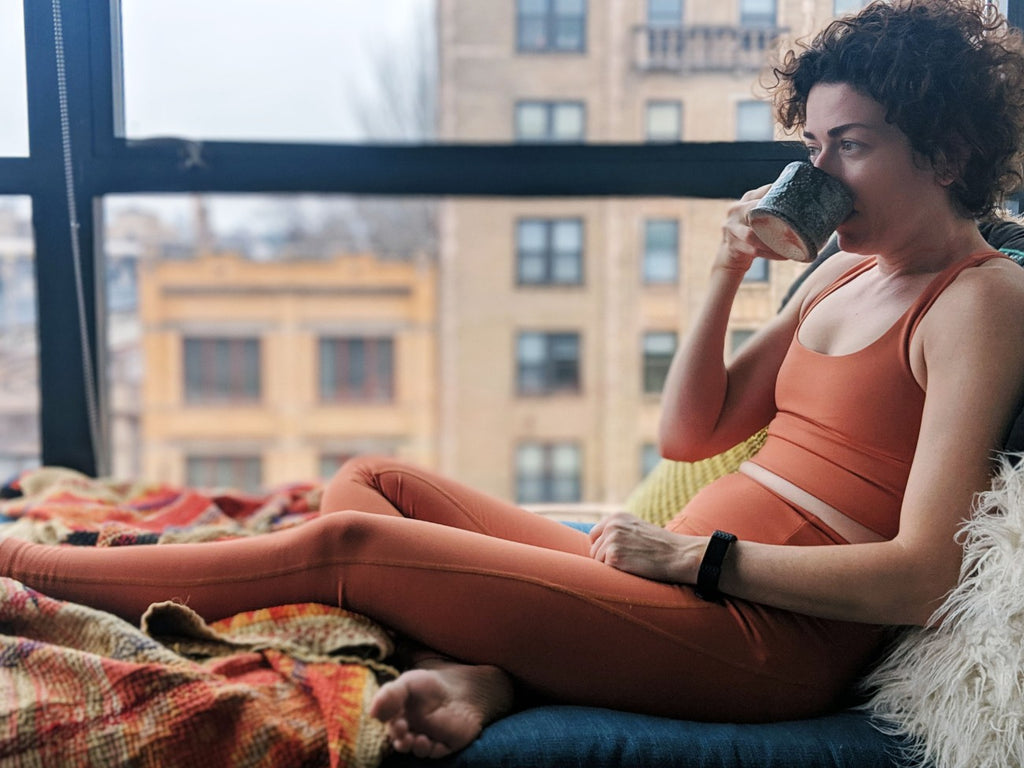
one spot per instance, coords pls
(800, 211)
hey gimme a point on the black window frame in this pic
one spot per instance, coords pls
(73, 409)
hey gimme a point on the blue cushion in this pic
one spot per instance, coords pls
(587, 737)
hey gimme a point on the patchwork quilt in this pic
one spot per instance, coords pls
(283, 686)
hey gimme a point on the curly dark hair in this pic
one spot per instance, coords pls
(950, 75)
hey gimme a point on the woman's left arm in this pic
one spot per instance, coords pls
(969, 352)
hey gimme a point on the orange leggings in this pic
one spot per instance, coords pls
(484, 582)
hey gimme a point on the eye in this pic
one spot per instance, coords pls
(812, 151)
(848, 146)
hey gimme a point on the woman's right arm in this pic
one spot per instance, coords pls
(708, 406)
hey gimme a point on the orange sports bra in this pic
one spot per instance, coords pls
(846, 426)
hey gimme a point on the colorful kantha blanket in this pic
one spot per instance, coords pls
(282, 686)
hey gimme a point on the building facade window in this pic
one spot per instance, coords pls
(649, 458)
(663, 121)
(661, 251)
(843, 7)
(757, 13)
(548, 473)
(357, 369)
(244, 473)
(659, 347)
(664, 13)
(550, 121)
(758, 272)
(739, 337)
(551, 26)
(547, 363)
(549, 252)
(222, 370)
(754, 121)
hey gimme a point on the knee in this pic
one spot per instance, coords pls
(347, 532)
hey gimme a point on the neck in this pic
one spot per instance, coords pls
(942, 246)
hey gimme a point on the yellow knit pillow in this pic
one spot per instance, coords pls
(671, 484)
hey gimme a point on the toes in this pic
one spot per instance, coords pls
(388, 702)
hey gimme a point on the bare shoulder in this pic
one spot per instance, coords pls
(986, 295)
(976, 322)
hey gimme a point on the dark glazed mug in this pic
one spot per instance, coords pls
(800, 211)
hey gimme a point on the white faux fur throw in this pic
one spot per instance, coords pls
(956, 691)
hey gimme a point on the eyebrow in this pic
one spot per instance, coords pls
(840, 129)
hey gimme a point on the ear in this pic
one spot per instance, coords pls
(949, 163)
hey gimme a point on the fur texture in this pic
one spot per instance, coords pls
(955, 691)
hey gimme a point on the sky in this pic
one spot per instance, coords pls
(270, 70)
(291, 70)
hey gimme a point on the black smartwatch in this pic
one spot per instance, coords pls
(711, 566)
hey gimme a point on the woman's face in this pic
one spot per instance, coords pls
(895, 191)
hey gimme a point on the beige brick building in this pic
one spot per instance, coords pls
(558, 316)
(274, 372)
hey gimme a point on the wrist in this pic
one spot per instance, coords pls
(712, 563)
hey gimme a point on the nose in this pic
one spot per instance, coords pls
(827, 160)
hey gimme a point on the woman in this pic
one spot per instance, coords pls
(888, 382)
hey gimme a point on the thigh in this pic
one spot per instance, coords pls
(387, 486)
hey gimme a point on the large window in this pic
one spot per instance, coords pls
(549, 251)
(661, 251)
(551, 26)
(312, 236)
(550, 121)
(548, 472)
(659, 347)
(222, 370)
(547, 363)
(357, 369)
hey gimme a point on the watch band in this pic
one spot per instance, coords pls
(711, 566)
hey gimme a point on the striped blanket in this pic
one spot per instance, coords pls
(283, 686)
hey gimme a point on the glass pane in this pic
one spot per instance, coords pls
(664, 11)
(19, 375)
(329, 71)
(568, 122)
(303, 70)
(754, 121)
(664, 120)
(13, 98)
(843, 7)
(500, 384)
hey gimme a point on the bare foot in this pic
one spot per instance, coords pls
(441, 706)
